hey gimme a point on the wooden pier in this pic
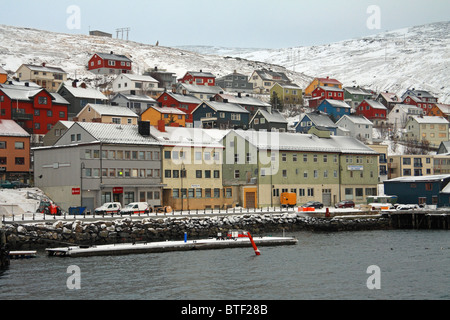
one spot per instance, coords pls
(415, 219)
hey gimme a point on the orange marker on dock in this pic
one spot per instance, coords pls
(253, 244)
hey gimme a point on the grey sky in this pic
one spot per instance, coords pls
(228, 23)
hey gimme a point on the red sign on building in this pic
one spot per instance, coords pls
(117, 190)
(76, 191)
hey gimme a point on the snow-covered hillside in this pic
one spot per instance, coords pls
(416, 57)
(72, 52)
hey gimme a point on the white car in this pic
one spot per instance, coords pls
(109, 208)
(407, 207)
(136, 207)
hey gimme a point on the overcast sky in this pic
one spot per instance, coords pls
(228, 23)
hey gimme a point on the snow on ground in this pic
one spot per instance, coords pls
(19, 201)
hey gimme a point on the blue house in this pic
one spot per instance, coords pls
(220, 115)
(315, 119)
(334, 108)
(434, 189)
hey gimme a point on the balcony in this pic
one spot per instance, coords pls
(20, 115)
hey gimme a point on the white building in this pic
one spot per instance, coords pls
(136, 84)
(359, 127)
(401, 113)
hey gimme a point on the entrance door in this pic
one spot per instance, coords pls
(326, 197)
(250, 199)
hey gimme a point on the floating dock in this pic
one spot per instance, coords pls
(22, 254)
(165, 246)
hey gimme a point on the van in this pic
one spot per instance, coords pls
(288, 199)
(109, 208)
(136, 207)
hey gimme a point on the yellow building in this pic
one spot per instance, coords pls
(192, 169)
(321, 82)
(289, 93)
(106, 114)
(169, 115)
(49, 78)
(410, 165)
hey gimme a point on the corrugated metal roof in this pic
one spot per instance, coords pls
(11, 129)
(104, 109)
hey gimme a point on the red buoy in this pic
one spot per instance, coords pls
(253, 244)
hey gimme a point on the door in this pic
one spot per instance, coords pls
(250, 199)
(326, 197)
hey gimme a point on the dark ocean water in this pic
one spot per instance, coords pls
(413, 264)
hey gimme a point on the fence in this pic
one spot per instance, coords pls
(35, 217)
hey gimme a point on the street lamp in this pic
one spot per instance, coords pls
(81, 184)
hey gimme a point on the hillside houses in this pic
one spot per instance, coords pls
(135, 138)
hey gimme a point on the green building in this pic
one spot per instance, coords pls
(259, 166)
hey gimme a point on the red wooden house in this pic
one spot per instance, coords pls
(199, 78)
(324, 92)
(185, 103)
(426, 106)
(109, 63)
(373, 110)
(33, 108)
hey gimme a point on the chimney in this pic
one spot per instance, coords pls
(83, 85)
(43, 64)
(144, 128)
(161, 126)
(74, 83)
(27, 84)
(239, 95)
(112, 52)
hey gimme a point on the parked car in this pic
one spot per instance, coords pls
(6, 184)
(20, 184)
(345, 204)
(407, 207)
(109, 208)
(314, 204)
(136, 207)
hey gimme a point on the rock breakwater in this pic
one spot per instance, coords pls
(48, 234)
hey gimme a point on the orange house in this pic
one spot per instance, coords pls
(3, 75)
(14, 151)
(171, 116)
(321, 82)
(440, 110)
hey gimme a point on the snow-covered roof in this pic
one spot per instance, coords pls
(272, 116)
(430, 119)
(244, 100)
(184, 98)
(138, 77)
(112, 56)
(44, 68)
(87, 93)
(319, 119)
(187, 137)
(168, 110)
(57, 98)
(135, 97)
(357, 119)
(272, 75)
(357, 91)
(21, 93)
(192, 88)
(104, 109)
(11, 129)
(326, 88)
(337, 103)
(114, 133)
(375, 104)
(224, 107)
(304, 142)
(420, 178)
(201, 74)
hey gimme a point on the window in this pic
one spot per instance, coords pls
(428, 186)
(208, 174)
(216, 174)
(310, 192)
(216, 193)
(236, 174)
(191, 193)
(228, 193)
(19, 145)
(42, 100)
(198, 173)
(62, 114)
(284, 173)
(167, 174)
(208, 193)
(198, 193)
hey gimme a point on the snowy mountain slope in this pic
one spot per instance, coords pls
(416, 57)
(72, 52)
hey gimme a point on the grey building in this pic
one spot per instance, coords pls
(137, 103)
(94, 163)
(235, 82)
(166, 79)
(79, 97)
(268, 120)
